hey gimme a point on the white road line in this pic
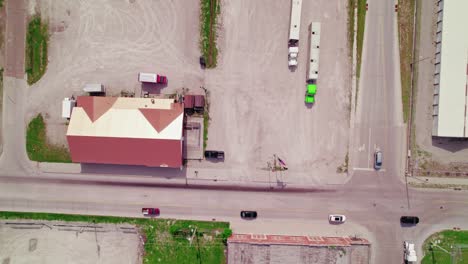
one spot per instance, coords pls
(368, 149)
(367, 169)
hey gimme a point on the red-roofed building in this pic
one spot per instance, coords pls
(127, 131)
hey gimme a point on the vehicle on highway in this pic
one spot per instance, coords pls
(411, 220)
(378, 160)
(214, 154)
(410, 256)
(150, 211)
(336, 218)
(248, 214)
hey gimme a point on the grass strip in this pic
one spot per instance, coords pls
(210, 9)
(351, 4)
(165, 239)
(405, 30)
(361, 23)
(206, 124)
(448, 241)
(37, 147)
(36, 49)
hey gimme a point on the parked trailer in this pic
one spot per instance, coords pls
(294, 32)
(314, 52)
(67, 107)
(314, 60)
(151, 78)
(94, 88)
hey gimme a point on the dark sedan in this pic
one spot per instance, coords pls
(248, 214)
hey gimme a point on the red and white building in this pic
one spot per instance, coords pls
(127, 131)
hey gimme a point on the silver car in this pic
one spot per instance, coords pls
(378, 160)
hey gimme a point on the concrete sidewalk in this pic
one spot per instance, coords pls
(438, 182)
(191, 177)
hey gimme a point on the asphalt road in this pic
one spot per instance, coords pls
(373, 201)
(379, 119)
(373, 211)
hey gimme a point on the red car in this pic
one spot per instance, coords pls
(150, 211)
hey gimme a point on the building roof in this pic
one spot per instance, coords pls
(121, 130)
(450, 99)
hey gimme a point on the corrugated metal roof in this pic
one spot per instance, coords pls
(451, 119)
(118, 130)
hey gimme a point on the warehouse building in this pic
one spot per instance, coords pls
(127, 131)
(451, 70)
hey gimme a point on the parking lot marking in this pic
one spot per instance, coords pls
(368, 148)
(367, 169)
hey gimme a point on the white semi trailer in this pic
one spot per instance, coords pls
(314, 52)
(294, 30)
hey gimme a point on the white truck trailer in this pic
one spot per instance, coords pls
(409, 253)
(314, 52)
(67, 107)
(294, 31)
(94, 88)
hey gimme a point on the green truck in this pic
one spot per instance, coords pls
(310, 93)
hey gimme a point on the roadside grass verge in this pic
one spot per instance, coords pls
(206, 124)
(448, 238)
(361, 23)
(36, 49)
(405, 30)
(165, 239)
(37, 147)
(351, 4)
(210, 9)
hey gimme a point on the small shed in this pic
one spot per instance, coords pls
(67, 107)
(199, 104)
(189, 102)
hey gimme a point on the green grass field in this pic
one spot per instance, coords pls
(36, 49)
(37, 147)
(448, 238)
(166, 239)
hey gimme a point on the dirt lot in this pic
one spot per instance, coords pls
(258, 108)
(23, 241)
(265, 254)
(257, 103)
(109, 42)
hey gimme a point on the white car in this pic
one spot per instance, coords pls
(336, 218)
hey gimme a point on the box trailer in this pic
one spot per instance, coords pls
(94, 88)
(314, 52)
(294, 32)
(199, 104)
(151, 78)
(67, 107)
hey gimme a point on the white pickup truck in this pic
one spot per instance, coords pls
(409, 253)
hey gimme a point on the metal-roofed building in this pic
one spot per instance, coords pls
(129, 131)
(451, 70)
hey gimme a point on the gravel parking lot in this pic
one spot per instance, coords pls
(64, 242)
(257, 103)
(258, 108)
(109, 42)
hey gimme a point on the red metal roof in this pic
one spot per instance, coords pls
(161, 118)
(128, 151)
(95, 106)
